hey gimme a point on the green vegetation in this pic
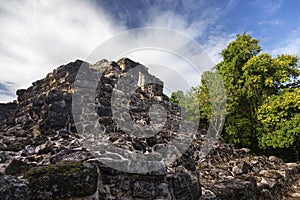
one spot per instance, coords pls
(263, 99)
(280, 116)
(63, 180)
(64, 168)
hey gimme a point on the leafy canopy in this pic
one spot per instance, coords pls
(263, 98)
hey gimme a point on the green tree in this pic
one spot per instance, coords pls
(249, 78)
(188, 101)
(204, 101)
(262, 96)
(177, 97)
(280, 129)
(280, 116)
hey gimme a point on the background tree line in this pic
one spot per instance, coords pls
(263, 99)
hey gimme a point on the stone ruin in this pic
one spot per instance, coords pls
(42, 156)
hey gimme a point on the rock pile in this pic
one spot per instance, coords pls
(42, 155)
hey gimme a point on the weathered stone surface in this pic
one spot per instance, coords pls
(61, 181)
(39, 142)
(183, 187)
(13, 188)
(17, 167)
(234, 174)
(6, 111)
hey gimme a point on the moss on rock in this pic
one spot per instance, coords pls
(17, 167)
(63, 180)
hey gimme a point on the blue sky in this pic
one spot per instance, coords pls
(274, 22)
(38, 36)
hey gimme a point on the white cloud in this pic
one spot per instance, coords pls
(38, 36)
(177, 73)
(216, 42)
(267, 6)
(273, 5)
(41, 35)
(166, 53)
(271, 22)
(173, 57)
(194, 19)
(177, 22)
(289, 45)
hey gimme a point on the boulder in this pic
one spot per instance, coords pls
(63, 180)
(13, 188)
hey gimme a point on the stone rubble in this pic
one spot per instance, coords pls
(42, 155)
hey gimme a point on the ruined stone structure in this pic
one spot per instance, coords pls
(42, 156)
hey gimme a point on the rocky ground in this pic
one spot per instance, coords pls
(42, 156)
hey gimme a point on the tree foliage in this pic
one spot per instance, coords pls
(280, 117)
(202, 102)
(262, 96)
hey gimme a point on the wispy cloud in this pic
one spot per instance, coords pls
(37, 36)
(273, 5)
(174, 68)
(267, 6)
(289, 45)
(272, 22)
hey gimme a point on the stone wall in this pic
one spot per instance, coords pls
(42, 155)
(6, 112)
